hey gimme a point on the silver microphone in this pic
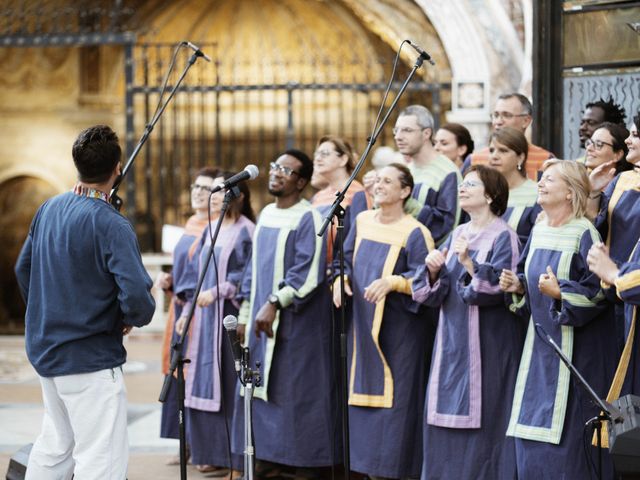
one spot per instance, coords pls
(423, 54)
(230, 323)
(197, 51)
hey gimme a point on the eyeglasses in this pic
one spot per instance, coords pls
(196, 186)
(325, 153)
(506, 115)
(406, 130)
(597, 144)
(469, 184)
(282, 169)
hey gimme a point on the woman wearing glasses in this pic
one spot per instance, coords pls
(607, 145)
(614, 200)
(508, 152)
(175, 283)
(211, 376)
(388, 333)
(554, 288)
(478, 342)
(334, 161)
(618, 207)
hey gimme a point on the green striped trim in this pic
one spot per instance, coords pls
(517, 302)
(552, 434)
(565, 238)
(578, 300)
(286, 220)
(431, 176)
(523, 196)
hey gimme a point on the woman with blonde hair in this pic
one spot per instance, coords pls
(555, 290)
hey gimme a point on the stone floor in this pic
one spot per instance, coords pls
(21, 406)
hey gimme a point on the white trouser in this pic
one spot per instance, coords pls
(84, 430)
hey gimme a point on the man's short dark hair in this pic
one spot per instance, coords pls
(96, 152)
(613, 112)
(524, 101)
(307, 165)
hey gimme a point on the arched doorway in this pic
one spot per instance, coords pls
(20, 197)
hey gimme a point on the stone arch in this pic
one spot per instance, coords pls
(20, 197)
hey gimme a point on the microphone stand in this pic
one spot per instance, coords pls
(338, 211)
(249, 379)
(608, 412)
(115, 200)
(177, 355)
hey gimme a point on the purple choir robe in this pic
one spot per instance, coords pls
(475, 360)
(169, 426)
(211, 377)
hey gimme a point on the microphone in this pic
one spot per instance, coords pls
(249, 173)
(230, 323)
(423, 54)
(197, 51)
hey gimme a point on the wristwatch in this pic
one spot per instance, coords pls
(274, 300)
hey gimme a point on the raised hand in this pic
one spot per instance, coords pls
(548, 284)
(601, 264)
(434, 261)
(510, 283)
(600, 176)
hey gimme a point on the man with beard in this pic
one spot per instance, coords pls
(594, 115)
(286, 310)
(436, 177)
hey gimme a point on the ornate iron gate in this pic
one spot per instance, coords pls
(215, 121)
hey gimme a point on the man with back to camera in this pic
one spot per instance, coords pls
(82, 278)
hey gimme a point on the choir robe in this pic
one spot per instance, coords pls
(618, 222)
(323, 201)
(627, 289)
(389, 346)
(475, 360)
(549, 411)
(181, 260)
(211, 376)
(436, 190)
(523, 209)
(294, 406)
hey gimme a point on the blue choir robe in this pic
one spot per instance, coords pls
(548, 412)
(211, 376)
(618, 222)
(475, 359)
(436, 190)
(388, 347)
(182, 290)
(627, 288)
(522, 209)
(293, 407)
(619, 218)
